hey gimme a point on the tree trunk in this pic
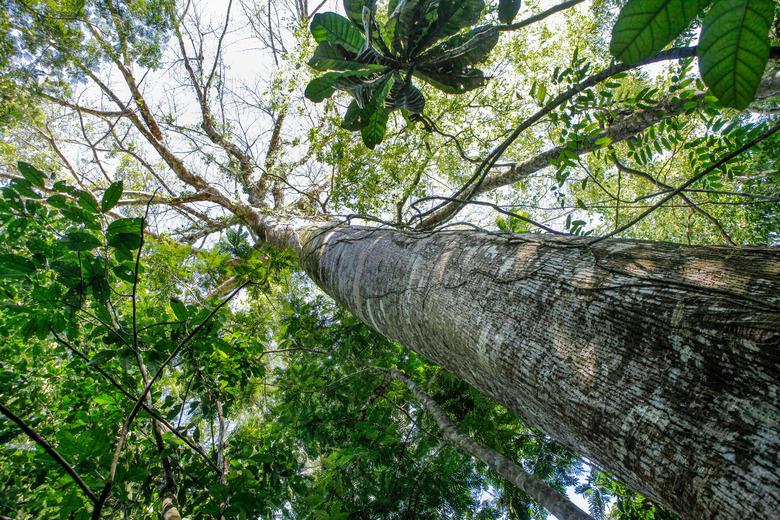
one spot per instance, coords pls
(656, 361)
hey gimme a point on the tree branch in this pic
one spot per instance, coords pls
(35, 436)
(725, 159)
(539, 490)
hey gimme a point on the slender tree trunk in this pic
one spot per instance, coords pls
(658, 362)
(550, 498)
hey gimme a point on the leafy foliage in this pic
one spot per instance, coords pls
(733, 50)
(312, 430)
(375, 62)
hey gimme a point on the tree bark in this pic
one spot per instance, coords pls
(656, 361)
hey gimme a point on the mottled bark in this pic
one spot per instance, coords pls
(538, 489)
(659, 362)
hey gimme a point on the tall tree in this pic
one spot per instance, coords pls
(658, 362)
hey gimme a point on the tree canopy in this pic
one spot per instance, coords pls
(163, 356)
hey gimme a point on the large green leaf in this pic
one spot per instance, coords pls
(87, 201)
(453, 82)
(353, 117)
(323, 87)
(507, 10)
(58, 200)
(329, 56)
(389, 30)
(35, 176)
(354, 10)
(374, 127)
(14, 265)
(124, 233)
(461, 50)
(734, 49)
(404, 95)
(24, 188)
(79, 241)
(375, 115)
(644, 27)
(408, 24)
(334, 28)
(111, 196)
(454, 15)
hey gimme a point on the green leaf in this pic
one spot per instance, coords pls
(409, 24)
(87, 201)
(734, 49)
(76, 214)
(462, 50)
(334, 28)
(15, 265)
(124, 271)
(58, 200)
(323, 87)
(404, 95)
(375, 115)
(24, 187)
(352, 117)
(389, 32)
(375, 127)
(328, 56)
(454, 15)
(354, 10)
(32, 174)
(179, 310)
(644, 27)
(124, 233)
(111, 196)
(507, 10)
(453, 82)
(320, 88)
(79, 241)
(63, 187)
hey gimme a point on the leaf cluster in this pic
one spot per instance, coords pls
(375, 62)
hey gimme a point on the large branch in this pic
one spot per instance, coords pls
(245, 161)
(132, 84)
(550, 498)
